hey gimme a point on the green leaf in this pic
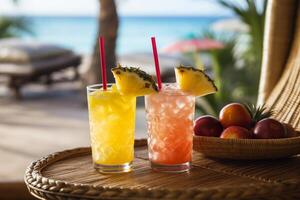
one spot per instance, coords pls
(14, 26)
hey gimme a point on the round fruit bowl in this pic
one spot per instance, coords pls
(247, 149)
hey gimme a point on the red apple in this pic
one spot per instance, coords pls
(268, 129)
(208, 126)
(235, 114)
(236, 132)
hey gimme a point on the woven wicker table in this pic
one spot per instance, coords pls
(70, 175)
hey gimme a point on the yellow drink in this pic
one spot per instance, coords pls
(112, 123)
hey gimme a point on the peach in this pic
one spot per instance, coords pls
(236, 132)
(235, 114)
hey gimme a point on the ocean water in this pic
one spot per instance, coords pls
(134, 34)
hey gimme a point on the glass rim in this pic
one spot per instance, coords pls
(94, 87)
(168, 91)
(98, 86)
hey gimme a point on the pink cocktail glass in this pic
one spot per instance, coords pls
(170, 115)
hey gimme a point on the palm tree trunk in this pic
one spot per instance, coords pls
(108, 28)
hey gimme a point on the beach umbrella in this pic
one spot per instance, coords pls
(193, 45)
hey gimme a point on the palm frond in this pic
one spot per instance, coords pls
(14, 26)
(254, 17)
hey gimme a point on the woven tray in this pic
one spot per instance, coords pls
(247, 149)
(70, 175)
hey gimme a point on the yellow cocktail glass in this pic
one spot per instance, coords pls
(112, 124)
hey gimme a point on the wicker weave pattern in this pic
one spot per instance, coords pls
(277, 42)
(49, 188)
(248, 149)
(285, 98)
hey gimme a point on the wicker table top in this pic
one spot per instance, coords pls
(70, 175)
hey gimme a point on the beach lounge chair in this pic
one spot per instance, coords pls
(25, 62)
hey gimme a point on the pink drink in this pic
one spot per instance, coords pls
(170, 115)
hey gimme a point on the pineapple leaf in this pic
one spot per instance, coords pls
(258, 112)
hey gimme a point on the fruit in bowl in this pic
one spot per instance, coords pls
(243, 122)
(245, 115)
(269, 129)
(208, 126)
(259, 138)
(235, 114)
(236, 132)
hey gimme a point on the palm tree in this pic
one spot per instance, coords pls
(254, 17)
(243, 87)
(108, 28)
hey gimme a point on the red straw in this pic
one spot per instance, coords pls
(103, 63)
(156, 62)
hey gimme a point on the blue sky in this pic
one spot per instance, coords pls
(125, 7)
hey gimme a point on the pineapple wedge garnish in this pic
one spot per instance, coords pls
(133, 81)
(194, 81)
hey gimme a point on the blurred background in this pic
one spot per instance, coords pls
(49, 53)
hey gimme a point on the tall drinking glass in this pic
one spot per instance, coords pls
(170, 115)
(112, 124)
